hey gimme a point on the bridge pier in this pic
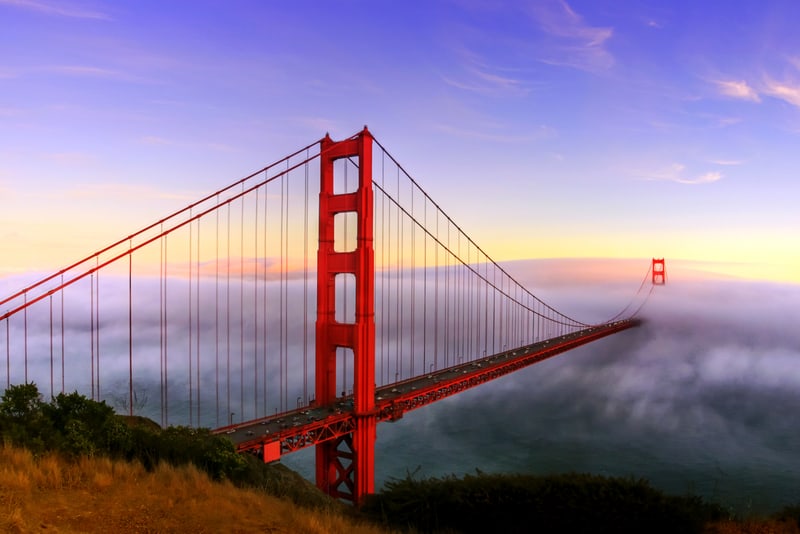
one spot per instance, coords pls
(346, 465)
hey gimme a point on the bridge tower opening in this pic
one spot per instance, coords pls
(659, 272)
(345, 466)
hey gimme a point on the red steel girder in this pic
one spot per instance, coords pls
(293, 438)
(394, 400)
(415, 393)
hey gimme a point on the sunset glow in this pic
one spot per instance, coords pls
(550, 130)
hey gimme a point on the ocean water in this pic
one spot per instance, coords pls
(704, 398)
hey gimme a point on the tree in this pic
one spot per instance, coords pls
(21, 402)
(22, 418)
(87, 426)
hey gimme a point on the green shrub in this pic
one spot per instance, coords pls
(519, 503)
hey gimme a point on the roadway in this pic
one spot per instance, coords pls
(303, 427)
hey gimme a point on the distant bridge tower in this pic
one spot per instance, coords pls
(659, 272)
(346, 465)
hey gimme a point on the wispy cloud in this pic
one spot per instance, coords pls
(728, 121)
(676, 173)
(59, 9)
(10, 112)
(706, 178)
(727, 162)
(77, 71)
(70, 158)
(740, 89)
(155, 140)
(89, 71)
(487, 83)
(737, 89)
(126, 191)
(537, 134)
(575, 43)
(787, 92)
(480, 77)
(319, 124)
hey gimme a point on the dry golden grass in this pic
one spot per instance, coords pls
(100, 495)
(765, 526)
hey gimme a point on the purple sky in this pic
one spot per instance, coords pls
(545, 129)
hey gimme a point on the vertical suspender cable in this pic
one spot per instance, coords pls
(241, 308)
(216, 314)
(97, 329)
(282, 318)
(472, 331)
(130, 330)
(413, 281)
(25, 332)
(401, 228)
(264, 302)
(461, 294)
(468, 304)
(398, 295)
(486, 306)
(228, 321)
(436, 295)
(256, 262)
(197, 326)
(191, 326)
(285, 270)
(51, 345)
(448, 330)
(161, 326)
(305, 284)
(8, 351)
(62, 336)
(494, 309)
(286, 296)
(166, 339)
(91, 330)
(503, 315)
(384, 314)
(425, 285)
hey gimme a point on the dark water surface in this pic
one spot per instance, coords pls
(704, 399)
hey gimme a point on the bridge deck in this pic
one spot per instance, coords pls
(296, 429)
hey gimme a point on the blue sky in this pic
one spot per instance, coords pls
(545, 129)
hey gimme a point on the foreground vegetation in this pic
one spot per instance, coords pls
(73, 465)
(560, 503)
(76, 427)
(556, 503)
(51, 493)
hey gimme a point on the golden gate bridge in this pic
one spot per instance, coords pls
(216, 306)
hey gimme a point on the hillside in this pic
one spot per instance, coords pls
(101, 495)
(72, 465)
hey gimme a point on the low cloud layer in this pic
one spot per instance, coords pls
(700, 398)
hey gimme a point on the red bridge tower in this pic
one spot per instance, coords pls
(659, 272)
(345, 466)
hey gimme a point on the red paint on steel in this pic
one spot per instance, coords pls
(659, 272)
(296, 430)
(345, 466)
